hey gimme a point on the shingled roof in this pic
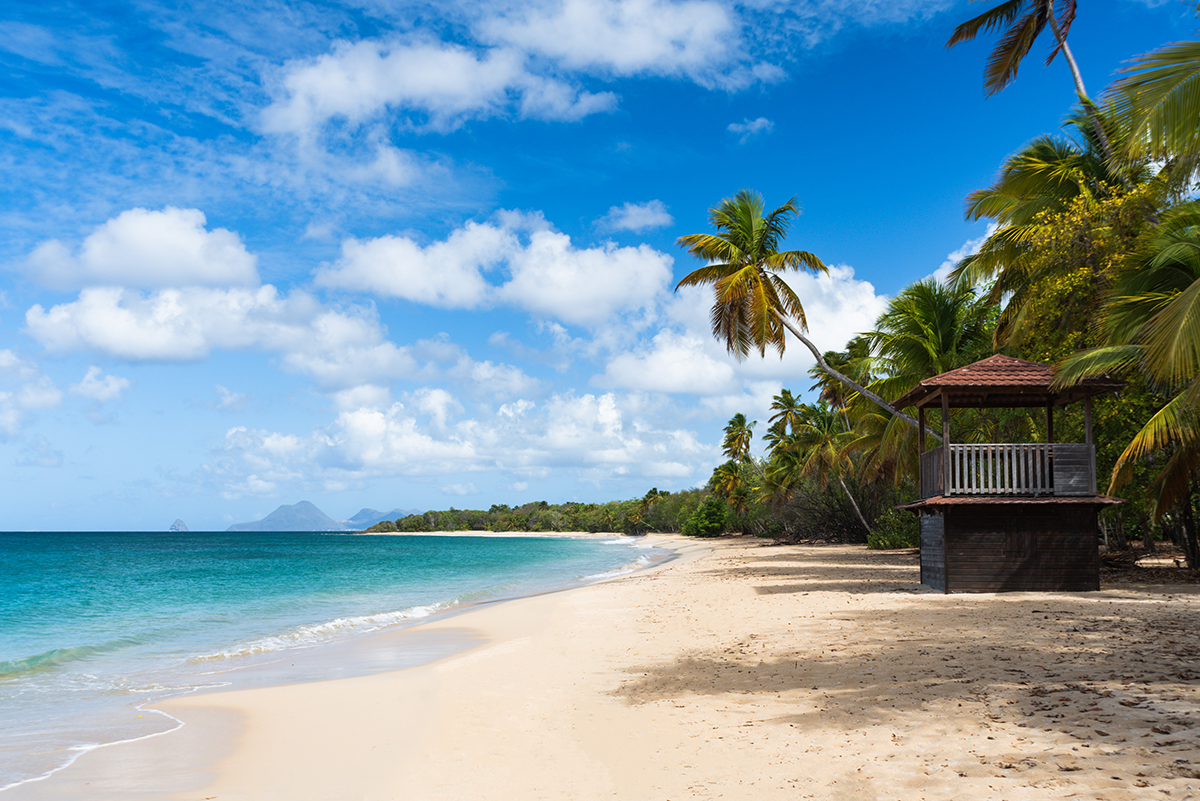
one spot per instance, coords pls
(1002, 381)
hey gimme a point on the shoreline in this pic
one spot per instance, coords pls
(402, 645)
(734, 671)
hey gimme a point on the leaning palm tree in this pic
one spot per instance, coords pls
(1021, 22)
(753, 305)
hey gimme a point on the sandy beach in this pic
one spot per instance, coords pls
(738, 671)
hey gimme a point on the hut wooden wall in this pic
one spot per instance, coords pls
(933, 550)
(1007, 547)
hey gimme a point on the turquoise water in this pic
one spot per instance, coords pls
(96, 626)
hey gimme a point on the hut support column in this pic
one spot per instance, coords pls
(1087, 433)
(947, 467)
(920, 429)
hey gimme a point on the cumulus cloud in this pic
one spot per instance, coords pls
(25, 390)
(636, 217)
(696, 39)
(547, 274)
(447, 274)
(600, 436)
(751, 128)
(673, 362)
(336, 347)
(145, 248)
(442, 84)
(99, 387)
(585, 286)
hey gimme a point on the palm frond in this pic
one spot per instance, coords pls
(990, 20)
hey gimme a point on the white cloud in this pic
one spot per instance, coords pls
(447, 273)
(459, 489)
(672, 362)
(229, 400)
(487, 380)
(751, 128)
(636, 217)
(445, 84)
(552, 278)
(696, 39)
(439, 404)
(547, 274)
(39, 394)
(100, 388)
(366, 396)
(337, 348)
(29, 390)
(146, 248)
(600, 437)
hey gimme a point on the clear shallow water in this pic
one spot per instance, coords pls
(94, 626)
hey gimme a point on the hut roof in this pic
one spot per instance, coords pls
(1002, 381)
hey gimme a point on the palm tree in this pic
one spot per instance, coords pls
(1152, 325)
(1022, 21)
(752, 304)
(738, 437)
(1049, 176)
(927, 329)
(788, 410)
(1158, 103)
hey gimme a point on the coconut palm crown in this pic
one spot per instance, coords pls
(744, 262)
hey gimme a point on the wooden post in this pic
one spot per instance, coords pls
(1087, 434)
(947, 468)
(1049, 421)
(921, 429)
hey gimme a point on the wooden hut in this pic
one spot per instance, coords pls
(1000, 517)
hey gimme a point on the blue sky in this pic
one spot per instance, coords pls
(421, 254)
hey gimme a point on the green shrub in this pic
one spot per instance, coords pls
(708, 520)
(895, 529)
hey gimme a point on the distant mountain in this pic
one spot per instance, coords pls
(369, 517)
(301, 516)
(178, 525)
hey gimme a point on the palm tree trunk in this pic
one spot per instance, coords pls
(866, 393)
(1088, 106)
(854, 503)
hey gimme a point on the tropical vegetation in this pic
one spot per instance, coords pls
(1092, 264)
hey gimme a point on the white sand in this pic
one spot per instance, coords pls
(738, 672)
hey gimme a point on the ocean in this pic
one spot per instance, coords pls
(96, 626)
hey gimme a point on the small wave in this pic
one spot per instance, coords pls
(307, 636)
(57, 657)
(637, 564)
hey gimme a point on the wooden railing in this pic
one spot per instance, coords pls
(999, 469)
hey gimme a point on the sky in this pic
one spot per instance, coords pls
(420, 255)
